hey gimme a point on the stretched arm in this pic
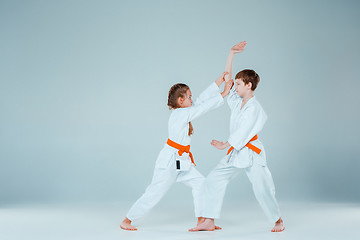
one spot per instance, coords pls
(209, 98)
(214, 89)
(229, 63)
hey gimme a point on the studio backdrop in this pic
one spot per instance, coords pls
(84, 84)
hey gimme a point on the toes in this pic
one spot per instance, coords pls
(128, 228)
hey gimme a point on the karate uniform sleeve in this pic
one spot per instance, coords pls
(211, 91)
(252, 122)
(233, 98)
(208, 99)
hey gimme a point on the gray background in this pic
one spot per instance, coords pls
(84, 86)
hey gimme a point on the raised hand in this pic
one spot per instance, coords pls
(238, 47)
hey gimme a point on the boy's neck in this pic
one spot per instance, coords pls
(247, 96)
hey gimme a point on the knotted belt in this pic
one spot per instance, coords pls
(181, 149)
(249, 145)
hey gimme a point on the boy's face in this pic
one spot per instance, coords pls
(186, 101)
(242, 88)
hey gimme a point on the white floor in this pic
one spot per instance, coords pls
(101, 221)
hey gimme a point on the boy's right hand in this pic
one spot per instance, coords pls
(238, 47)
(219, 145)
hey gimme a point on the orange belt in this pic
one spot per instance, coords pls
(181, 149)
(249, 145)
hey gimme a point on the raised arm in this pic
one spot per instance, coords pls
(233, 98)
(229, 63)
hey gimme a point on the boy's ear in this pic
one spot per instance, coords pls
(249, 85)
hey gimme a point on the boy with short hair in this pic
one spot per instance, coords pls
(246, 151)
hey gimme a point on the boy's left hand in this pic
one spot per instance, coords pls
(219, 145)
(238, 47)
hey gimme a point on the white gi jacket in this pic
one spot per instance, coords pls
(244, 125)
(178, 124)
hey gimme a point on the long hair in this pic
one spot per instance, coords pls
(176, 91)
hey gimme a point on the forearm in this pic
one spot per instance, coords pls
(219, 81)
(229, 64)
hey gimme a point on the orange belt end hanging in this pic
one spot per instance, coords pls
(181, 149)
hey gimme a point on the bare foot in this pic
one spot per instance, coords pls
(126, 225)
(279, 226)
(207, 225)
(202, 219)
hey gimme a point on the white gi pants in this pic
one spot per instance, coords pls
(262, 183)
(162, 180)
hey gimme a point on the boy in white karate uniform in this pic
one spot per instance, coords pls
(246, 151)
(175, 162)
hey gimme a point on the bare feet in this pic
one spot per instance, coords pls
(126, 225)
(279, 226)
(202, 219)
(207, 225)
(218, 228)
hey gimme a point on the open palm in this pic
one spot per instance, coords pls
(239, 47)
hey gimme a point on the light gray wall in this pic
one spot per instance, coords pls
(84, 88)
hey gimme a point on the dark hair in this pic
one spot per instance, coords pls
(248, 75)
(176, 91)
